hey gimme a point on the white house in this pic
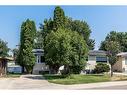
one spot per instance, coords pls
(94, 57)
(40, 61)
(121, 64)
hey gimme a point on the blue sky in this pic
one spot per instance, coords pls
(101, 19)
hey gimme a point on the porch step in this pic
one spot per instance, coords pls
(40, 67)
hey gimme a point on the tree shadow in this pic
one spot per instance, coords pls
(35, 77)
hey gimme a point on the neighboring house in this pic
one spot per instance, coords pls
(3, 65)
(94, 57)
(13, 68)
(40, 65)
(121, 64)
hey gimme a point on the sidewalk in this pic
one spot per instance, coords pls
(38, 82)
(97, 85)
(116, 73)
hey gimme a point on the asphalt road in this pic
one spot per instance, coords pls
(124, 87)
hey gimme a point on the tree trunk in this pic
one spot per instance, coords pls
(111, 70)
(23, 71)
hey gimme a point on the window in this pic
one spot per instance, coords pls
(101, 59)
(126, 61)
(42, 59)
(91, 58)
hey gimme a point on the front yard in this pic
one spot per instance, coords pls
(76, 79)
(11, 75)
(82, 79)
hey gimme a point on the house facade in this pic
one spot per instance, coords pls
(121, 64)
(94, 57)
(40, 65)
(3, 65)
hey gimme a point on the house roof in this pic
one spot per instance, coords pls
(122, 54)
(97, 52)
(38, 51)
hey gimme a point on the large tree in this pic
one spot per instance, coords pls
(65, 47)
(82, 28)
(58, 18)
(3, 49)
(114, 43)
(120, 37)
(112, 48)
(26, 58)
(61, 21)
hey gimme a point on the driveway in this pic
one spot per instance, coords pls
(38, 82)
(26, 82)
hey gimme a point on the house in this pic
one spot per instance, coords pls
(13, 68)
(40, 65)
(3, 65)
(121, 64)
(94, 57)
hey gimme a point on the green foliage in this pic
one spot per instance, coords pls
(26, 57)
(101, 68)
(82, 28)
(120, 37)
(58, 18)
(112, 48)
(58, 47)
(3, 49)
(65, 47)
(76, 79)
(61, 21)
(39, 43)
(113, 45)
(76, 69)
(65, 41)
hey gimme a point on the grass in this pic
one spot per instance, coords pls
(119, 78)
(16, 75)
(76, 79)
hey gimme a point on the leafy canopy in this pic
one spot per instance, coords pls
(27, 36)
(65, 47)
(3, 49)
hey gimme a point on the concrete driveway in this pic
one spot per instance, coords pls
(26, 82)
(38, 82)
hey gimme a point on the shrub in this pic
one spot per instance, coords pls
(101, 68)
(76, 69)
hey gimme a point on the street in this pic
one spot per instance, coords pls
(124, 87)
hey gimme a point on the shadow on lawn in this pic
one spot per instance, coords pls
(52, 76)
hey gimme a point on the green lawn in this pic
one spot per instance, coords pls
(77, 79)
(13, 75)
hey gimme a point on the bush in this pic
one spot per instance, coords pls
(75, 69)
(101, 68)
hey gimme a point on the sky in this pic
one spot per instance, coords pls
(101, 19)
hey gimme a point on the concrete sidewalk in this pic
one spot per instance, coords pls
(97, 85)
(116, 73)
